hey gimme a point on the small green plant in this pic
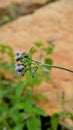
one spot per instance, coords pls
(11, 14)
(12, 10)
(5, 19)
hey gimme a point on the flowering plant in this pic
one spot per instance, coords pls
(26, 63)
(19, 108)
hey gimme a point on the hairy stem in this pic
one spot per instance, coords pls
(53, 66)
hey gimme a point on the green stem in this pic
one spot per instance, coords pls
(53, 66)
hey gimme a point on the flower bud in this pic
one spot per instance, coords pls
(17, 53)
(19, 68)
(17, 58)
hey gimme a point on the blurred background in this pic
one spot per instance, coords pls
(23, 22)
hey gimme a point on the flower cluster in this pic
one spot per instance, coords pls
(25, 63)
(18, 55)
(19, 67)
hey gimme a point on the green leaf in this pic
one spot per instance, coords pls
(33, 81)
(38, 44)
(54, 121)
(5, 49)
(49, 50)
(26, 106)
(71, 117)
(19, 127)
(32, 51)
(49, 62)
(5, 19)
(39, 111)
(20, 87)
(15, 116)
(33, 123)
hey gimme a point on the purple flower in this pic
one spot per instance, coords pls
(17, 58)
(19, 68)
(19, 53)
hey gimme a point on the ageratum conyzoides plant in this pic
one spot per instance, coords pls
(26, 63)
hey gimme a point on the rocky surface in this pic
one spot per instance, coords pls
(53, 20)
(4, 3)
(13, 9)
